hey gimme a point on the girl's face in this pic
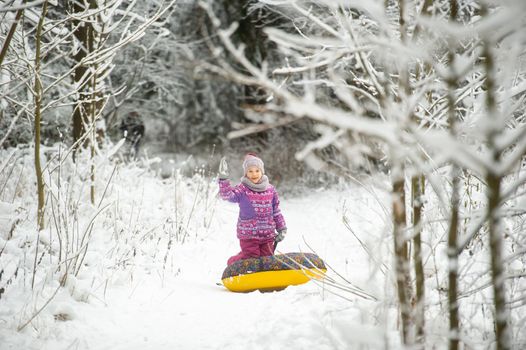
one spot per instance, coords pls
(254, 174)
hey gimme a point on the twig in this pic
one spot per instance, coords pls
(39, 310)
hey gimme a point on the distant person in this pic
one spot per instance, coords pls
(260, 225)
(132, 129)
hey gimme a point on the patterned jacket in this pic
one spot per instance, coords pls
(259, 213)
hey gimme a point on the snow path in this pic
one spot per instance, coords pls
(185, 309)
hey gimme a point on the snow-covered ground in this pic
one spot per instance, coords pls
(149, 279)
(140, 267)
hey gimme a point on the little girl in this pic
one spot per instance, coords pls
(259, 213)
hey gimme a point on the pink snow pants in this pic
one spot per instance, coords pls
(251, 248)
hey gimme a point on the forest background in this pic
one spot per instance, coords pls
(429, 95)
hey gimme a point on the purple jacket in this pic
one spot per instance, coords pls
(259, 213)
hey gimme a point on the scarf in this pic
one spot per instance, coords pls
(261, 186)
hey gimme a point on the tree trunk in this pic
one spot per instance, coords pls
(9, 36)
(401, 243)
(93, 139)
(401, 247)
(418, 190)
(38, 108)
(452, 245)
(84, 33)
(493, 181)
(452, 253)
(418, 184)
(497, 270)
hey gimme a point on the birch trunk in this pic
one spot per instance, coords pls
(84, 34)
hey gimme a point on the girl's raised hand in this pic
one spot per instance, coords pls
(223, 169)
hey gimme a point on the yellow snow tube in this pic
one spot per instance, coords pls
(273, 273)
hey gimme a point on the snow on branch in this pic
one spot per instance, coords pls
(22, 6)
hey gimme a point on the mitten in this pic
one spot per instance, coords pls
(281, 235)
(223, 169)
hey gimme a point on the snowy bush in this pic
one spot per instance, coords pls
(137, 221)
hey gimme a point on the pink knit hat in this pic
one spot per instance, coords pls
(252, 160)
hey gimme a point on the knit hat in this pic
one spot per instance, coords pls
(252, 160)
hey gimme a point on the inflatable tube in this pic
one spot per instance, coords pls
(273, 273)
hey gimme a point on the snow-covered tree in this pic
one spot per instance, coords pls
(421, 87)
(79, 43)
